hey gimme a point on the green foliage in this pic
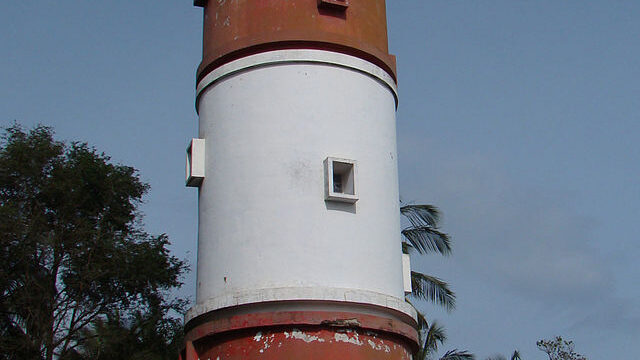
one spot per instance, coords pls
(434, 336)
(559, 349)
(423, 236)
(142, 335)
(73, 251)
(456, 354)
(431, 288)
(514, 356)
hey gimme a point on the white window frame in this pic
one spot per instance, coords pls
(349, 170)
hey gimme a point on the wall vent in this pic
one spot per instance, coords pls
(195, 163)
(406, 274)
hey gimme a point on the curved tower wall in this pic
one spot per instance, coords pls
(264, 222)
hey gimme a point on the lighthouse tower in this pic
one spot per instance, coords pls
(299, 251)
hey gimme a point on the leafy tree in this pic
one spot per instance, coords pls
(73, 252)
(143, 335)
(423, 236)
(559, 349)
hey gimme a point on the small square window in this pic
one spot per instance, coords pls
(337, 183)
(334, 4)
(195, 163)
(340, 180)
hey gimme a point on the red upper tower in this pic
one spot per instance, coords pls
(237, 28)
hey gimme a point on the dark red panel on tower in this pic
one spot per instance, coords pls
(236, 28)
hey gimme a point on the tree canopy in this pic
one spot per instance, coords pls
(559, 349)
(74, 255)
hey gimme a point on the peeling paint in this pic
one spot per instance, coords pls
(297, 334)
(345, 338)
(268, 341)
(342, 322)
(381, 346)
(335, 342)
(258, 336)
(272, 342)
(371, 333)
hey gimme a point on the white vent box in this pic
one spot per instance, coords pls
(195, 163)
(406, 273)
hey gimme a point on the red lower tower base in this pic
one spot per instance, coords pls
(366, 333)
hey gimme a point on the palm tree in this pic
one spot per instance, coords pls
(434, 336)
(423, 236)
(515, 356)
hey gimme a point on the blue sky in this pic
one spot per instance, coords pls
(519, 119)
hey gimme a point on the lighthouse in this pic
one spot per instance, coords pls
(299, 250)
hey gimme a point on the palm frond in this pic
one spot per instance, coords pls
(430, 338)
(406, 248)
(515, 356)
(433, 289)
(423, 233)
(422, 319)
(434, 336)
(456, 354)
(420, 215)
(427, 239)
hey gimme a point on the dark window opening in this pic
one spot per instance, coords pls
(337, 183)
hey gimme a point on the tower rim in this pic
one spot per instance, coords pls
(281, 57)
(386, 62)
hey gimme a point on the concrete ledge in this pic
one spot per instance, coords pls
(302, 294)
(283, 57)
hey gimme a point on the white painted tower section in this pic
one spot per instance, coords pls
(269, 121)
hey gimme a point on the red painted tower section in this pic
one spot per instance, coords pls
(313, 327)
(238, 28)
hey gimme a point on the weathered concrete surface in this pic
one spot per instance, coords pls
(301, 335)
(304, 343)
